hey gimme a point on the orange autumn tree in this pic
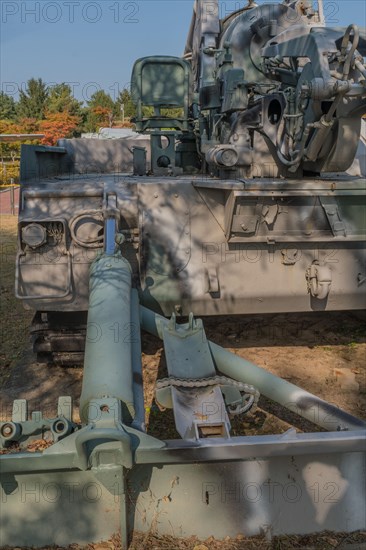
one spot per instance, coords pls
(103, 115)
(10, 151)
(57, 126)
(29, 126)
(101, 111)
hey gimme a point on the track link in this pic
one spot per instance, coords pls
(59, 338)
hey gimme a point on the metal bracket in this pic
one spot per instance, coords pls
(319, 279)
(290, 256)
(20, 430)
(162, 154)
(188, 357)
(139, 161)
(212, 284)
(63, 293)
(248, 224)
(269, 214)
(335, 221)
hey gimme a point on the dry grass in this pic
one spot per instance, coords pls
(14, 319)
(150, 541)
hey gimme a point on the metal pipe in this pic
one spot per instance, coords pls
(108, 353)
(110, 234)
(12, 200)
(361, 68)
(321, 13)
(138, 388)
(288, 395)
(321, 132)
(348, 56)
(63, 193)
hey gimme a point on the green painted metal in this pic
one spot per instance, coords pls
(21, 427)
(161, 82)
(109, 336)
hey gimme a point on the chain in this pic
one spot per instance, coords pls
(247, 389)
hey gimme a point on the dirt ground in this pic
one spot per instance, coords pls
(322, 353)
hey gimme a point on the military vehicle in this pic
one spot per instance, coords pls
(239, 204)
(236, 201)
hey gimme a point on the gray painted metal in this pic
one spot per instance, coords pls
(358, 168)
(182, 250)
(242, 241)
(46, 508)
(298, 483)
(273, 102)
(198, 412)
(305, 404)
(107, 475)
(274, 496)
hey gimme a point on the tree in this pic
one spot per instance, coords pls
(61, 100)
(57, 126)
(101, 99)
(9, 154)
(7, 107)
(9, 150)
(101, 111)
(28, 125)
(32, 102)
(125, 104)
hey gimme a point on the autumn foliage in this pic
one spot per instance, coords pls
(54, 112)
(9, 127)
(103, 115)
(56, 126)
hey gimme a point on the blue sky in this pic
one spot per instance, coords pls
(93, 44)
